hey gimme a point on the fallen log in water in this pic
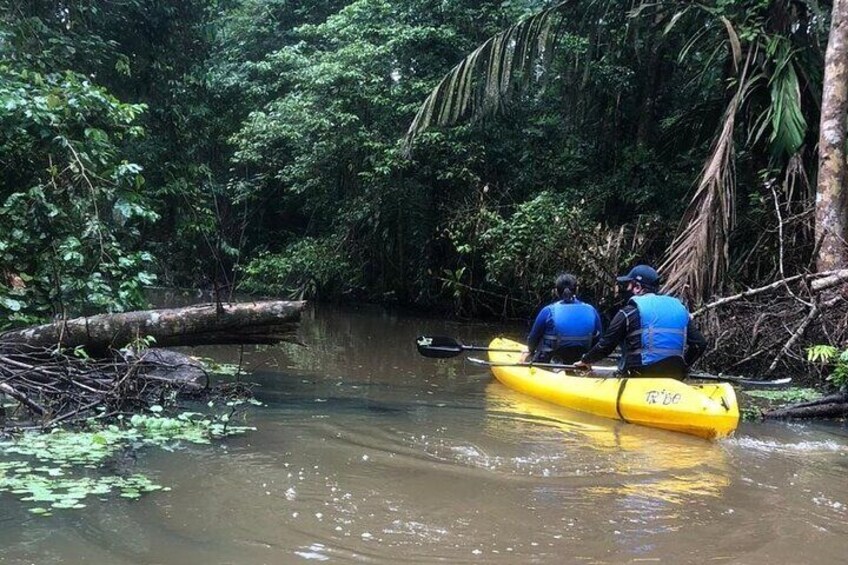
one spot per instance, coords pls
(266, 322)
(831, 406)
(54, 383)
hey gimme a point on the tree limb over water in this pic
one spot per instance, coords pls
(265, 322)
(43, 370)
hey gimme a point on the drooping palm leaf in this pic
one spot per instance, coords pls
(787, 119)
(698, 256)
(483, 82)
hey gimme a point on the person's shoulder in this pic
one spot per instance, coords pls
(675, 300)
(627, 309)
(592, 307)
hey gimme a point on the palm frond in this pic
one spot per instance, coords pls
(733, 39)
(787, 118)
(698, 257)
(483, 82)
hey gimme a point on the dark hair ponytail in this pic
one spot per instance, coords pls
(566, 287)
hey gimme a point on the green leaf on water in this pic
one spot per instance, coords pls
(794, 394)
(62, 480)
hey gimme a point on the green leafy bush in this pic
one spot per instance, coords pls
(70, 204)
(544, 235)
(306, 269)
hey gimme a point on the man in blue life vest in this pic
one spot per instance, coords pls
(566, 329)
(656, 335)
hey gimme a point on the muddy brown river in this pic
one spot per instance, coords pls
(367, 453)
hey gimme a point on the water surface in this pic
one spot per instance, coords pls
(367, 453)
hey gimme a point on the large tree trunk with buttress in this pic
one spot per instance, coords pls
(264, 322)
(832, 197)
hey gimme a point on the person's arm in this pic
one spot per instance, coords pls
(696, 343)
(538, 330)
(614, 335)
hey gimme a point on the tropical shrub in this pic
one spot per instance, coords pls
(70, 204)
(308, 268)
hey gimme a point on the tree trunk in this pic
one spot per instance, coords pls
(653, 75)
(831, 198)
(251, 322)
(833, 406)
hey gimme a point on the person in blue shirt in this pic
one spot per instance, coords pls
(655, 332)
(566, 329)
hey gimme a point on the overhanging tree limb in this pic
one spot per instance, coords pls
(820, 281)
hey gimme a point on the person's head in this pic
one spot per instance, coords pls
(566, 287)
(641, 279)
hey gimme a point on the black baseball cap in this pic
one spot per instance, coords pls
(642, 274)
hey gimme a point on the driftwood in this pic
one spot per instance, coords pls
(831, 406)
(765, 330)
(207, 324)
(55, 384)
(834, 279)
(55, 388)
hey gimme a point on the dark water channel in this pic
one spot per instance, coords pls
(367, 453)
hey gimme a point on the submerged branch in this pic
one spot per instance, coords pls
(40, 367)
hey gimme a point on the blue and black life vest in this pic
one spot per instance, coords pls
(663, 321)
(573, 326)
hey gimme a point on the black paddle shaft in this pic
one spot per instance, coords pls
(443, 347)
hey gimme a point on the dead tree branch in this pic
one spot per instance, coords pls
(820, 281)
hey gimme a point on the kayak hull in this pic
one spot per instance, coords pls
(709, 411)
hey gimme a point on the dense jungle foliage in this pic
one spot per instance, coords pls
(259, 145)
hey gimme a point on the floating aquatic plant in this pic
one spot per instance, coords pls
(793, 394)
(61, 469)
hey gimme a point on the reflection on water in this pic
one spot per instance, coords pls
(368, 453)
(641, 463)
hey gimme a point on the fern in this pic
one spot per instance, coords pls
(821, 353)
(827, 354)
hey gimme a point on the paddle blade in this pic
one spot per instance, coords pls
(438, 347)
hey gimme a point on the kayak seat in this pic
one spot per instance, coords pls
(565, 355)
(669, 368)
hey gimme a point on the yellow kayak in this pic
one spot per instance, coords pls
(708, 410)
